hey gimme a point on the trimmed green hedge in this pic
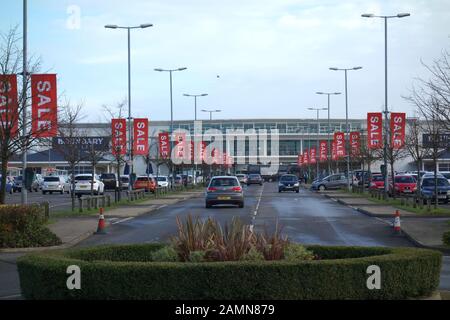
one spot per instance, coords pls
(25, 226)
(446, 238)
(127, 272)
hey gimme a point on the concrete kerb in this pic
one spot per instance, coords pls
(40, 249)
(81, 237)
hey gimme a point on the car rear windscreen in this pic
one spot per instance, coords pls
(404, 180)
(143, 179)
(108, 176)
(441, 182)
(161, 178)
(51, 179)
(378, 178)
(224, 182)
(83, 178)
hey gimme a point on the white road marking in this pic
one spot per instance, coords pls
(256, 209)
(123, 220)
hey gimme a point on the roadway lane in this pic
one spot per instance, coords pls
(160, 225)
(305, 217)
(310, 218)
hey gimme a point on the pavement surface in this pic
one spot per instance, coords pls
(305, 217)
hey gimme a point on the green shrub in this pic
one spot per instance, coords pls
(297, 253)
(197, 256)
(253, 255)
(165, 254)
(24, 226)
(446, 238)
(340, 274)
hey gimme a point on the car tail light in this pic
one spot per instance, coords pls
(237, 189)
(212, 189)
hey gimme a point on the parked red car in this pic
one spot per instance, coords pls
(144, 182)
(404, 184)
(377, 182)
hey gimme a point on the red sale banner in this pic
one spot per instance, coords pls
(398, 124)
(323, 151)
(164, 145)
(44, 106)
(140, 136)
(355, 143)
(180, 145)
(306, 157)
(333, 151)
(374, 130)
(119, 136)
(201, 146)
(9, 106)
(339, 139)
(216, 156)
(312, 155)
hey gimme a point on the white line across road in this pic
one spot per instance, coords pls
(122, 220)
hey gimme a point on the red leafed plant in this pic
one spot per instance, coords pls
(232, 243)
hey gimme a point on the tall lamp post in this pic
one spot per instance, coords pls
(24, 195)
(317, 142)
(195, 119)
(171, 114)
(386, 111)
(130, 139)
(195, 101)
(347, 147)
(329, 127)
(211, 112)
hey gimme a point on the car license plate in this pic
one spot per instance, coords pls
(224, 198)
(407, 191)
(83, 187)
(442, 197)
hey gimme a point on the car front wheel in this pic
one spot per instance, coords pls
(241, 205)
(322, 187)
(207, 205)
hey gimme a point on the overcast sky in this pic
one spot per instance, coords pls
(255, 58)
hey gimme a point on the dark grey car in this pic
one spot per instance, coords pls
(254, 178)
(224, 190)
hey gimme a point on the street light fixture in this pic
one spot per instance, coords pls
(195, 119)
(130, 140)
(211, 112)
(171, 112)
(195, 101)
(386, 111)
(329, 127)
(317, 140)
(347, 145)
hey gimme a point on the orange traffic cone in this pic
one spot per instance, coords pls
(397, 228)
(101, 223)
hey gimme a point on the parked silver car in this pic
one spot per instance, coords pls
(224, 190)
(334, 181)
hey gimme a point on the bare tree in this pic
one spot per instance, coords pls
(68, 131)
(431, 97)
(415, 147)
(15, 134)
(119, 158)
